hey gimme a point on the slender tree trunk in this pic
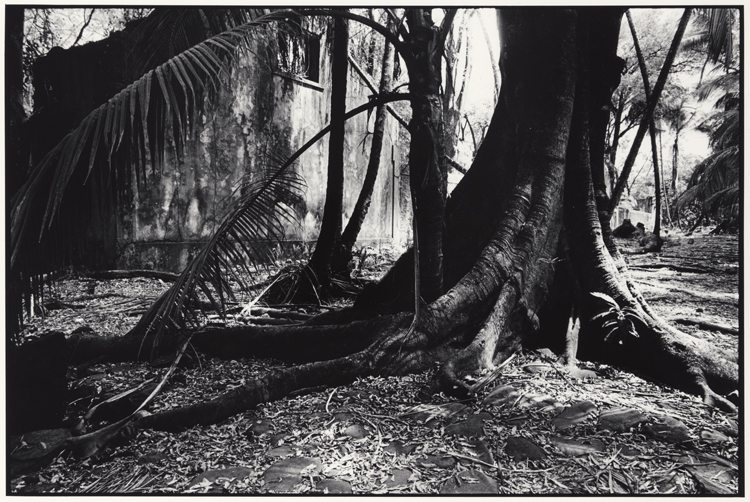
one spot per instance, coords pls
(649, 112)
(452, 95)
(651, 127)
(657, 179)
(675, 159)
(663, 186)
(330, 228)
(673, 183)
(349, 237)
(494, 60)
(615, 144)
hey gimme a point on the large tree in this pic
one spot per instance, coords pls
(522, 249)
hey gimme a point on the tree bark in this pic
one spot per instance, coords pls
(657, 180)
(603, 57)
(428, 173)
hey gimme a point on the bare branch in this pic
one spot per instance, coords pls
(85, 24)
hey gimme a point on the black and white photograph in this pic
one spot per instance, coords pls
(374, 250)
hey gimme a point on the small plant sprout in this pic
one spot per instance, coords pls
(619, 322)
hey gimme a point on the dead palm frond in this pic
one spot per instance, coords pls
(133, 128)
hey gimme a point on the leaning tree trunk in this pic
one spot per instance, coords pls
(648, 113)
(657, 180)
(651, 126)
(534, 174)
(344, 253)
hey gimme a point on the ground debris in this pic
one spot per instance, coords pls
(615, 435)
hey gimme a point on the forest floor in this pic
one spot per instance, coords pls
(542, 429)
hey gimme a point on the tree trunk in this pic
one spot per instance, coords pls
(523, 217)
(657, 180)
(651, 126)
(349, 237)
(604, 82)
(330, 228)
(428, 173)
(675, 158)
(649, 112)
(615, 144)
(15, 172)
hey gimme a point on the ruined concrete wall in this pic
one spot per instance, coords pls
(257, 113)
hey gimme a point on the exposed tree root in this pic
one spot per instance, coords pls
(501, 251)
(705, 325)
(291, 343)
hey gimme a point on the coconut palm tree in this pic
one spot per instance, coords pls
(715, 182)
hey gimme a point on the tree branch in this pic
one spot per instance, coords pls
(368, 81)
(85, 24)
(450, 14)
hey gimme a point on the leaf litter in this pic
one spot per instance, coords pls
(584, 458)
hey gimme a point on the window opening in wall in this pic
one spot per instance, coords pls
(299, 55)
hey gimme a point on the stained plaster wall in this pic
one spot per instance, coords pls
(258, 112)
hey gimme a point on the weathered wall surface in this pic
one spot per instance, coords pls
(258, 117)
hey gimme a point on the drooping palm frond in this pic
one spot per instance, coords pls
(728, 132)
(720, 35)
(132, 128)
(728, 83)
(713, 34)
(168, 31)
(714, 182)
(234, 246)
(244, 241)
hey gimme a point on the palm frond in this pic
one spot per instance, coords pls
(714, 181)
(169, 31)
(243, 243)
(158, 101)
(727, 200)
(720, 35)
(697, 41)
(726, 82)
(687, 197)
